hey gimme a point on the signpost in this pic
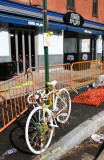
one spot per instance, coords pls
(46, 63)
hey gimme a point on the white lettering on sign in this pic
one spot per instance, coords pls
(70, 57)
(35, 23)
(31, 23)
(41, 25)
(86, 31)
(75, 19)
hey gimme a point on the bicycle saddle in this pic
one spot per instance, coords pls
(53, 83)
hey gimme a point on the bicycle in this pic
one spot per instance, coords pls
(44, 118)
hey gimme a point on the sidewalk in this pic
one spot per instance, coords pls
(89, 149)
(101, 156)
(86, 120)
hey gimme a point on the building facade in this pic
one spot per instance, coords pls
(77, 26)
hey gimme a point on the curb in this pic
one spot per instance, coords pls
(73, 138)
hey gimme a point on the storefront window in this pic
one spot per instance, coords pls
(85, 45)
(70, 45)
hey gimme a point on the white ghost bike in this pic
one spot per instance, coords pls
(55, 107)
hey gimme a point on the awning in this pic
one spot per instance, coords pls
(8, 18)
(85, 30)
(75, 29)
(18, 13)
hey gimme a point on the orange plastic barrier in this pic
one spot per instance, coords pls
(59, 72)
(92, 97)
(85, 71)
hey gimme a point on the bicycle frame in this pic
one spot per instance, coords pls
(44, 98)
(51, 100)
(54, 115)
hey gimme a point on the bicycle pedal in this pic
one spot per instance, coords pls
(54, 126)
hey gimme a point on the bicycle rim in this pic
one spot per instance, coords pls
(38, 133)
(63, 102)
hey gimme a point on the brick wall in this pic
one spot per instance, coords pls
(83, 7)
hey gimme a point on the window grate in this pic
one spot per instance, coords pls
(95, 8)
(70, 4)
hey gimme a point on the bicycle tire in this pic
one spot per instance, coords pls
(62, 99)
(36, 140)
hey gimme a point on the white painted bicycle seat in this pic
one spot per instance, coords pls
(53, 83)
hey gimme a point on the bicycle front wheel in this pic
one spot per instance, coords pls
(63, 103)
(38, 132)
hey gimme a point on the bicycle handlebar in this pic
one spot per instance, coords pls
(28, 99)
(41, 93)
(36, 94)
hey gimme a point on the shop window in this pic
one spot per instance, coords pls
(95, 8)
(70, 45)
(85, 45)
(70, 4)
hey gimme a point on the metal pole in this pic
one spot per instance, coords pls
(45, 47)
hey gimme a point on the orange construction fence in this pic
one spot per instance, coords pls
(59, 72)
(85, 71)
(14, 92)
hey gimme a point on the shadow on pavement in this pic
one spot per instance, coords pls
(17, 135)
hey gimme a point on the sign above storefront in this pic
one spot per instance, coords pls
(73, 19)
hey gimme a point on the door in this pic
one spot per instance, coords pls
(23, 49)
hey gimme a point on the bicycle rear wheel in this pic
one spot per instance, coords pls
(63, 102)
(38, 132)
